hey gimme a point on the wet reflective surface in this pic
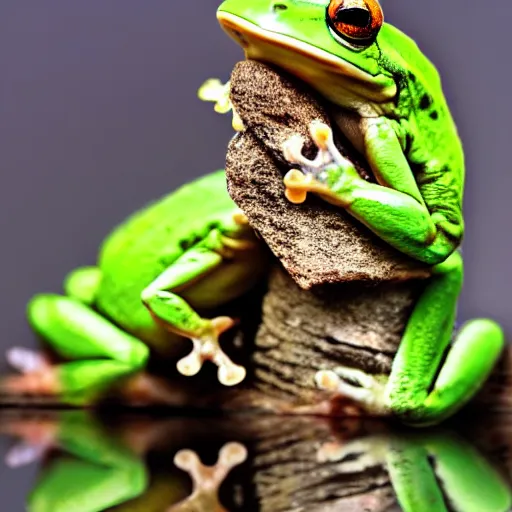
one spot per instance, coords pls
(73, 461)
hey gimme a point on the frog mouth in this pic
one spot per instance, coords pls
(295, 56)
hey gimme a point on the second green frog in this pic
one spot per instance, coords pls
(388, 101)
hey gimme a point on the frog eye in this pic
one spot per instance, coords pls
(356, 21)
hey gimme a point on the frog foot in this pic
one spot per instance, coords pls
(368, 391)
(37, 375)
(312, 176)
(215, 91)
(207, 479)
(207, 348)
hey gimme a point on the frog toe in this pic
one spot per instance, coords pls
(321, 134)
(25, 360)
(23, 454)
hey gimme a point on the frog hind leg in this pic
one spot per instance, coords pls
(97, 353)
(422, 389)
(163, 301)
(393, 208)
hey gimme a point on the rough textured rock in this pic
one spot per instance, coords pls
(304, 331)
(317, 243)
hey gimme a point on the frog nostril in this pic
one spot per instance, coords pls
(278, 7)
(354, 16)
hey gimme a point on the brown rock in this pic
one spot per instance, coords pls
(317, 243)
(304, 331)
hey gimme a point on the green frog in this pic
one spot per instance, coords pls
(387, 99)
(193, 250)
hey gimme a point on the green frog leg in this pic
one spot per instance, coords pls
(162, 298)
(100, 474)
(393, 209)
(422, 389)
(468, 482)
(97, 353)
(412, 477)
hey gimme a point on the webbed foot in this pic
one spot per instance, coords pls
(314, 175)
(207, 348)
(366, 390)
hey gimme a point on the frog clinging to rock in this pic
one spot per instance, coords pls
(387, 99)
(191, 250)
(194, 250)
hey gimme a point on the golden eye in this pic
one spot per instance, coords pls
(356, 21)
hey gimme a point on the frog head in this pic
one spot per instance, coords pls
(331, 45)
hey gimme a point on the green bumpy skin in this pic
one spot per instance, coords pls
(387, 99)
(191, 250)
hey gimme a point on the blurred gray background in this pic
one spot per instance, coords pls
(98, 115)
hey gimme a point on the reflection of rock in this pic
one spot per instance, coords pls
(317, 243)
(289, 476)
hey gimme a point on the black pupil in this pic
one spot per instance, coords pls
(354, 17)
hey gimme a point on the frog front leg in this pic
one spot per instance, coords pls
(202, 263)
(393, 209)
(424, 387)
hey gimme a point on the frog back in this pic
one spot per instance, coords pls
(150, 240)
(430, 137)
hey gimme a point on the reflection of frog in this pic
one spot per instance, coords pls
(389, 103)
(192, 249)
(92, 470)
(467, 482)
